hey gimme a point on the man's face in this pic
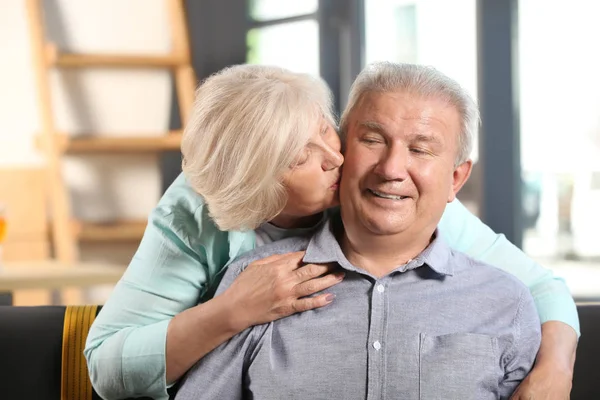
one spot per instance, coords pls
(400, 169)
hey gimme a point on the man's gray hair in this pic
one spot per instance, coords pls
(422, 81)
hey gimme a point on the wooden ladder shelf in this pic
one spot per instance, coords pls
(66, 231)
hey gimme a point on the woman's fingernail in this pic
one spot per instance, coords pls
(340, 276)
(330, 297)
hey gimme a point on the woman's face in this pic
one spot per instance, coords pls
(312, 183)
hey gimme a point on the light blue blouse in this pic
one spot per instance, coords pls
(177, 266)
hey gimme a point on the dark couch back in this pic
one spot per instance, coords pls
(31, 349)
(31, 341)
(586, 379)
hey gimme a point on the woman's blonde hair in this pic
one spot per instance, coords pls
(248, 125)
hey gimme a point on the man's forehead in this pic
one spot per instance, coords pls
(380, 111)
(402, 100)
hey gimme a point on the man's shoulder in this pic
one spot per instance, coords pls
(288, 245)
(502, 283)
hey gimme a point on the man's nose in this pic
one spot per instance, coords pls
(393, 164)
(332, 159)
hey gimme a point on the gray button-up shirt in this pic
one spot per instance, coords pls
(443, 326)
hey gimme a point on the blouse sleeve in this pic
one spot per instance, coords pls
(466, 233)
(171, 270)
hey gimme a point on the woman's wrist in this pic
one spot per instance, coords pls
(557, 350)
(235, 321)
(552, 360)
(197, 331)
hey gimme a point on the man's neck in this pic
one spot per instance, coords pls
(380, 255)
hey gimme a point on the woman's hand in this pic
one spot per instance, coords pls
(545, 382)
(267, 290)
(278, 286)
(552, 375)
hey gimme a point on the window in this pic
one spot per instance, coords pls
(292, 45)
(268, 10)
(285, 34)
(560, 138)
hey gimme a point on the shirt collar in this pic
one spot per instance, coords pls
(437, 255)
(324, 248)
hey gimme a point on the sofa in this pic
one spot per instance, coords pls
(41, 353)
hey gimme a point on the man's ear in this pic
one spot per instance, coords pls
(459, 177)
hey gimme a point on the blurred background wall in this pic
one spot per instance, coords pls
(114, 102)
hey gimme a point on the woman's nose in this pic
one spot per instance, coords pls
(333, 159)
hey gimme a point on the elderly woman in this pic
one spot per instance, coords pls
(261, 161)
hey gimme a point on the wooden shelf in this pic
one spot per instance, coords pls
(76, 60)
(54, 275)
(122, 231)
(46, 59)
(105, 143)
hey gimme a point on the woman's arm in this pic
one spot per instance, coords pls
(268, 289)
(465, 232)
(552, 376)
(144, 338)
(553, 370)
(222, 368)
(125, 348)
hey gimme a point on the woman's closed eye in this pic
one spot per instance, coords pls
(302, 158)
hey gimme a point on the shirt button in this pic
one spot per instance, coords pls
(377, 345)
(380, 288)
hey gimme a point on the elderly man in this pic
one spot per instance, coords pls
(412, 319)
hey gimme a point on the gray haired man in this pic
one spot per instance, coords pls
(412, 319)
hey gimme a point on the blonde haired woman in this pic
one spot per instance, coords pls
(261, 161)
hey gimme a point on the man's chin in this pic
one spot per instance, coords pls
(386, 227)
(385, 231)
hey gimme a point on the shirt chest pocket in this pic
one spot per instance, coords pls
(458, 366)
